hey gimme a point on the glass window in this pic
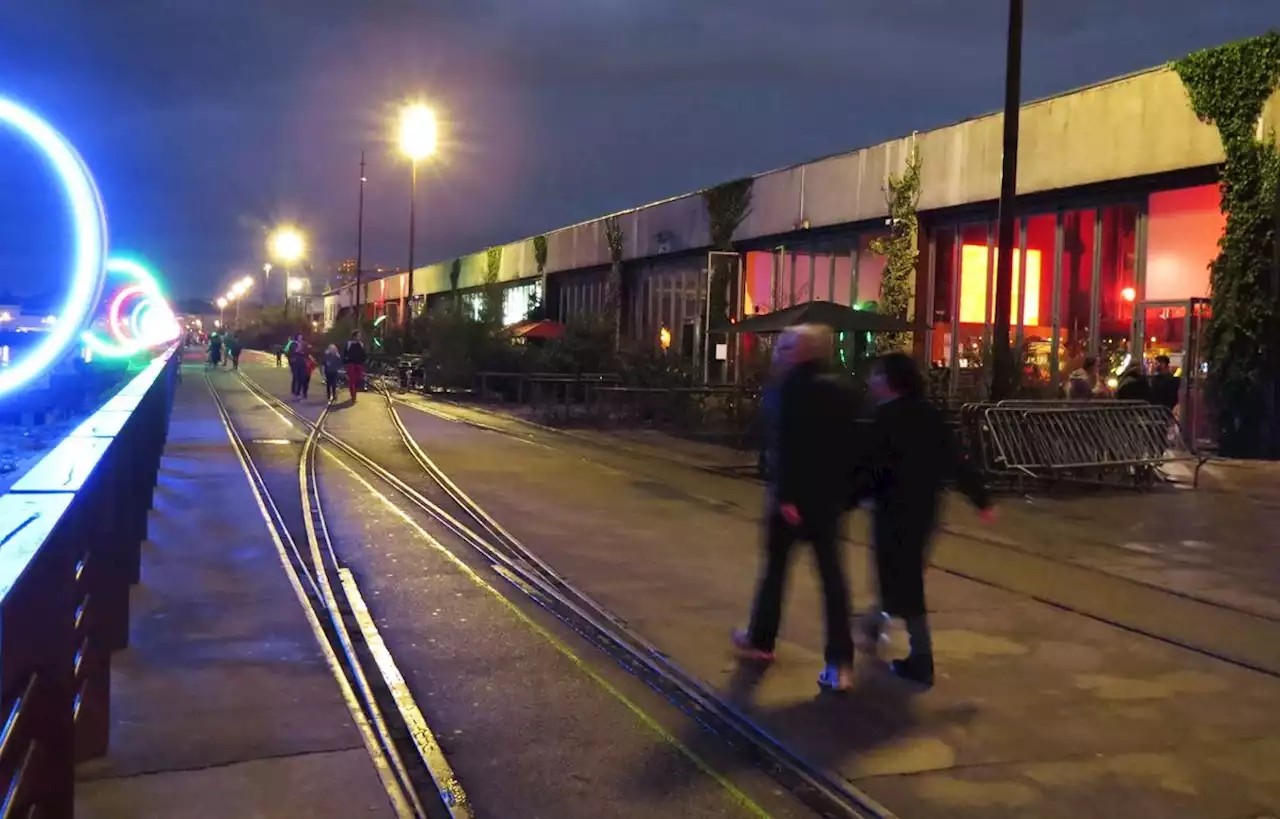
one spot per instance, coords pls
(842, 288)
(870, 269)
(1075, 300)
(972, 296)
(1183, 229)
(1117, 292)
(1033, 280)
(939, 301)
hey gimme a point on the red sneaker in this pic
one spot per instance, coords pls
(743, 647)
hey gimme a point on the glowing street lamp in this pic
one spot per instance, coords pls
(287, 247)
(419, 134)
(222, 306)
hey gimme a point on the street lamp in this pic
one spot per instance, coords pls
(222, 306)
(419, 133)
(287, 246)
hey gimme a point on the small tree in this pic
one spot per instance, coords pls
(900, 249)
(727, 205)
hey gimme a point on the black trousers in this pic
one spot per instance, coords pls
(780, 541)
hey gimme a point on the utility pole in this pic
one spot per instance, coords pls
(360, 242)
(1003, 365)
(413, 222)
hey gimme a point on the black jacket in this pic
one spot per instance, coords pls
(906, 459)
(355, 353)
(1133, 387)
(813, 440)
(1164, 390)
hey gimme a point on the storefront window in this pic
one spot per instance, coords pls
(1075, 285)
(1117, 291)
(870, 270)
(1183, 228)
(973, 299)
(939, 301)
(1034, 309)
(842, 286)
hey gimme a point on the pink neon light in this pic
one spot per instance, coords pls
(114, 321)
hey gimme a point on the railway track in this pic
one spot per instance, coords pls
(418, 780)
(825, 793)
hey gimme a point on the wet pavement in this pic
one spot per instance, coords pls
(223, 705)
(1109, 657)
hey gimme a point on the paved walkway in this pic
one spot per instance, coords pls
(1040, 711)
(223, 705)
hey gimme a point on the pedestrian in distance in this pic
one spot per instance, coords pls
(215, 350)
(905, 459)
(279, 354)
(296, 352)
(236, 348)
(308, 368)
(332, 367)
(811, 442)
(355, 356)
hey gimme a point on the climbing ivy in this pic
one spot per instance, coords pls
(900, 249)
(613, 238)
(540, 253)
(1228, 87)
(491, 311)
(727, 205)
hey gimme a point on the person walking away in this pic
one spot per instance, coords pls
(332, 366)
(1132, 384)
(215, 350)
(296, 353)
(308, 368)
(236, 348)
(279, 354)
(355, 355)
(770, 403)
(812, 441)
(908, 455)
(1081, 384)
(1165, 386)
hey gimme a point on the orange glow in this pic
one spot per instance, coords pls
(973, 285)
(1128, 294)
(664, 338)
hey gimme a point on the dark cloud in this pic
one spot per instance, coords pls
(206, 122)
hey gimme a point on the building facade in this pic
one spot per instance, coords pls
(1118, 221)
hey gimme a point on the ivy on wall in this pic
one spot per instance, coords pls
(1228, 87)
(727, 205)
(491, 311)
(540, 253)
(455, 274)
(613, 237)
(900, 249)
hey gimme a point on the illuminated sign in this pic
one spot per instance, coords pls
(89, 243)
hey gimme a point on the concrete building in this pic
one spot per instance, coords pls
(1119, 220)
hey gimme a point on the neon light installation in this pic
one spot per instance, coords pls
(149, 322)
(89, 240)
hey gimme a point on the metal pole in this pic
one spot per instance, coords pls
(413, 204)
(360, 241)
(1002, 375)
(288, 274)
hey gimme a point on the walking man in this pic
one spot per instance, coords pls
(355, 356)
(809, 466)
(908, 455)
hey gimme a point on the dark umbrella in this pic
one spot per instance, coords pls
(827, 313)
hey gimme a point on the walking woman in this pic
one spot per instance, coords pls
(296, 350)
(332, 366)
(908, 455)
(355, 356)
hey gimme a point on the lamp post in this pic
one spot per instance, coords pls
(360, 241)
(287, 246)
(1003, 367)
(418, 137)
(222, 307)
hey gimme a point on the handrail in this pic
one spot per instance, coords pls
(71, 530)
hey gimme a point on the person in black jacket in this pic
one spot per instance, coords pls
(811, 443)
(1164, 384)
(355, 356)
(908, 455)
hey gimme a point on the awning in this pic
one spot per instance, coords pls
(829, 314)
(546, 328)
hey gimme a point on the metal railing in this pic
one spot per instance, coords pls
(1083, 440)
(71, 531)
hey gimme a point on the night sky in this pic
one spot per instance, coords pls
(207, 120)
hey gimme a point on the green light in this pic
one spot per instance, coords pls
(378, 321)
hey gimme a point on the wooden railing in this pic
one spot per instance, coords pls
(71, 531)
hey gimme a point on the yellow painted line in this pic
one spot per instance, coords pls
(734, 792)
(455, 798)
(380, 763)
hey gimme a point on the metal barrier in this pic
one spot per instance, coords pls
(1076, 439)
(70, 548)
